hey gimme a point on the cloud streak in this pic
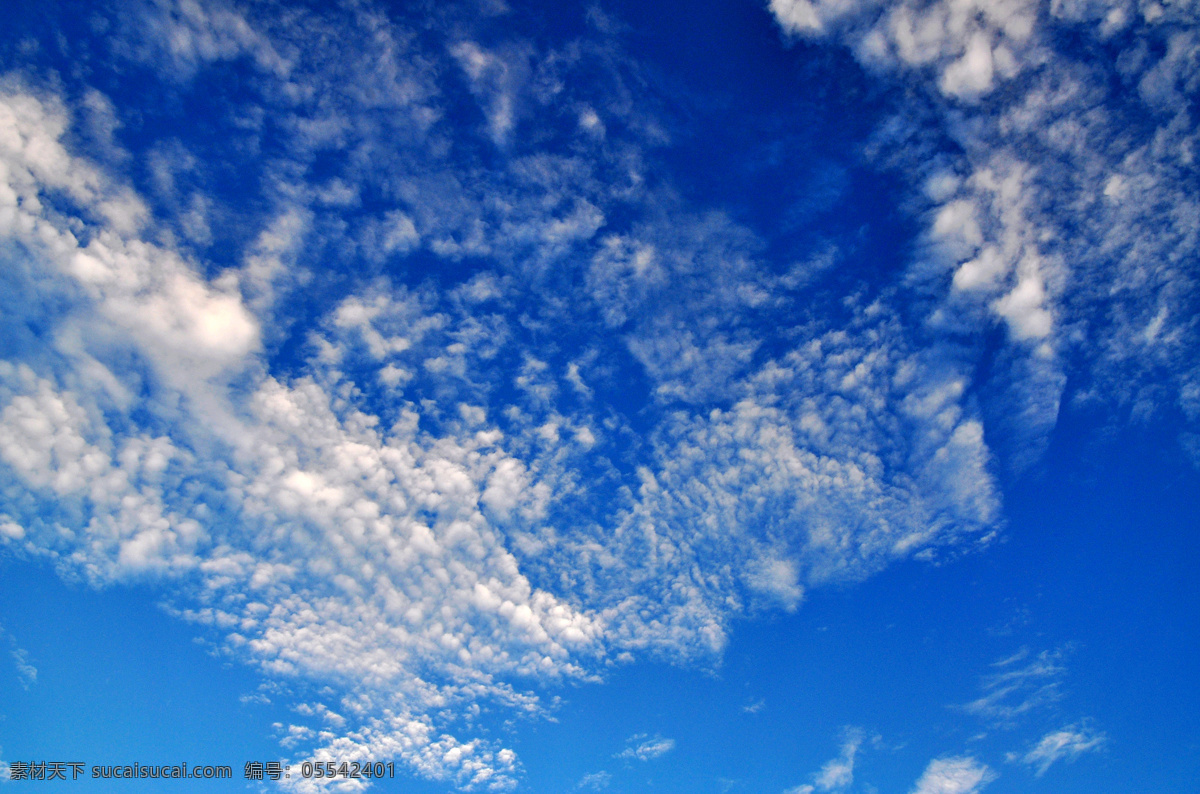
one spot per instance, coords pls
(1065, 744)
(1020, 685)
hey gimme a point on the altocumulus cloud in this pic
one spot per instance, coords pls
(386, 549)
(478, 413)
(1065, 184)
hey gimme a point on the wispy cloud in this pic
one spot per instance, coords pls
(954, 775)
(26, 672)
(838, 773)
(1021, 684)
(1065, 744)
(594, 781)
(754, 706)
(643, 747)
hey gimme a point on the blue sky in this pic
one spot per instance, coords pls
(789, 397)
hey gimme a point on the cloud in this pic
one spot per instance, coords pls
(438, 433)
(1067, 743)
(1022, 684)
(798, 450)
(955, 775)
(329, 536)
(966, 48)
(838, 773)
(645, 748)
(297, 501)
(189, 35)
(496, 79)
(25, 671)
(595, 781)
(777, 579)
(1034, 225)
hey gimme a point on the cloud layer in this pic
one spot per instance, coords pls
(1036, 225)
(410, 375)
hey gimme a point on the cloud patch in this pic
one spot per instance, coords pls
(838, 773)
(954, 775)
(642, 747)
(1065, 744)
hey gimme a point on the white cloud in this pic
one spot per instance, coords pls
(193, 330)
(25, 671)
(187, 35)
(270, 268)
(30, 129)
(1021, 684)
(424, 550)
(838, 773)
(1067, 743)
(799, 449)
(956, 775)
(777, 579)
(594, 781)
(807, 18)
(497, 79)
(42, 437)
(342, 537)
(1037, 219)
(326, 543)
(966, 45)
(645, 748)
